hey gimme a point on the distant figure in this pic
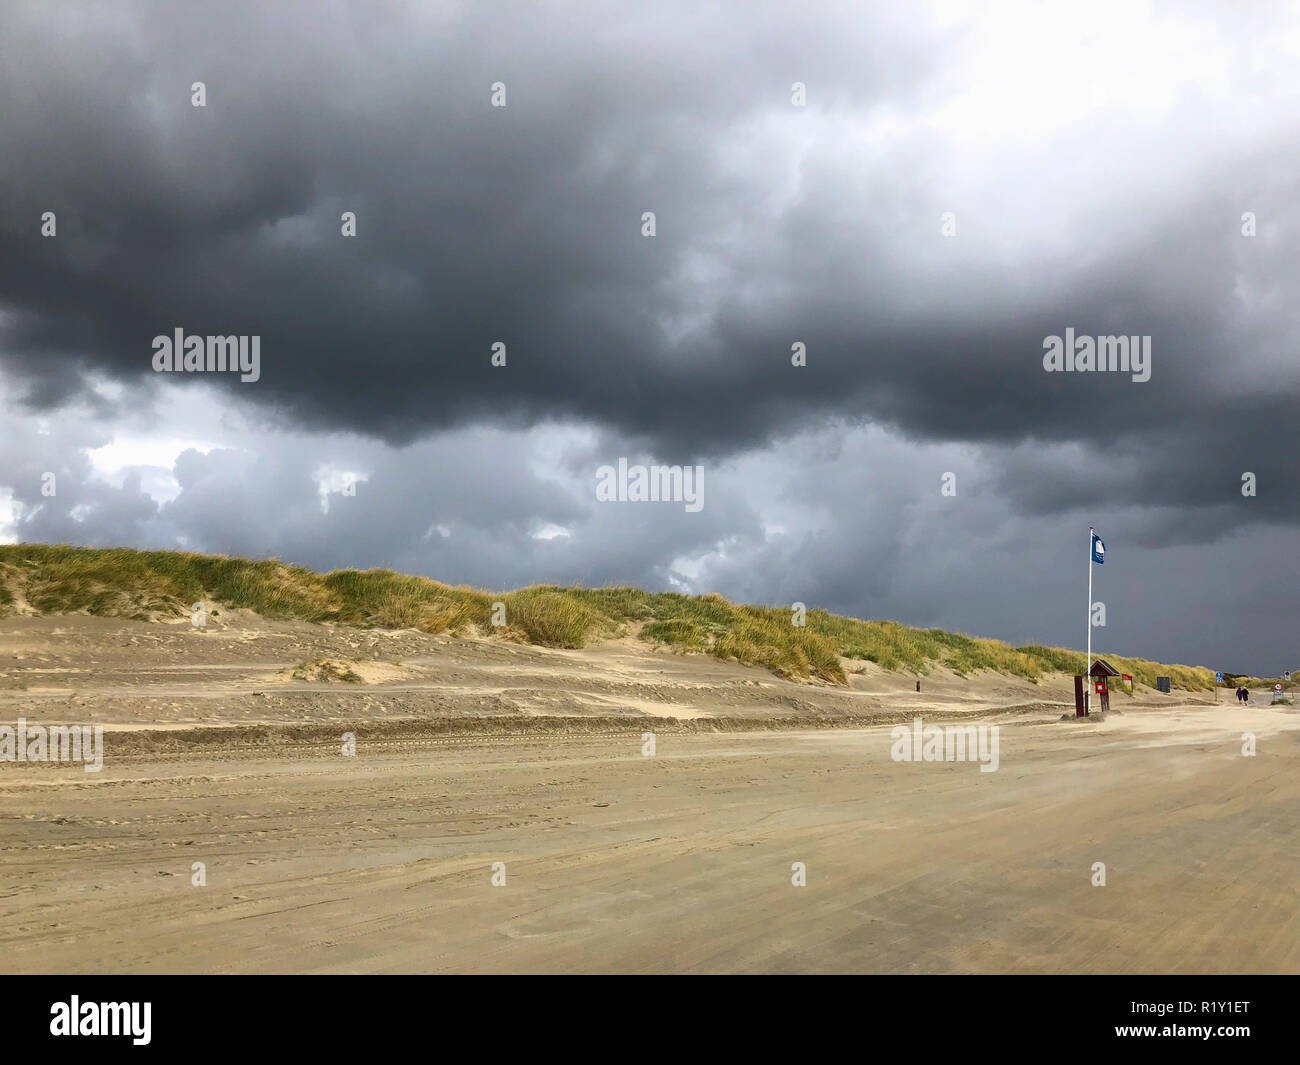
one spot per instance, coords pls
(1239, 693)
(1245, 695)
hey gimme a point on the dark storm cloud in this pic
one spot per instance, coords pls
(521, 224)
(476, 224)
(1098, 178)
(848, 519)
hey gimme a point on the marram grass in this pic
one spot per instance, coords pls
(121, 582)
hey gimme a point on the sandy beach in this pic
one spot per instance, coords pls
(475, 752)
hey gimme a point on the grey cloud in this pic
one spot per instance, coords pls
(775, 224)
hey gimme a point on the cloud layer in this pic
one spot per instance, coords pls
(1096, 168)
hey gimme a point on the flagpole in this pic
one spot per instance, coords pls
(1087, 701)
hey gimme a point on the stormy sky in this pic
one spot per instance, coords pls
(918, 193)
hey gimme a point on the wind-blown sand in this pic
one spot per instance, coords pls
(475, 752)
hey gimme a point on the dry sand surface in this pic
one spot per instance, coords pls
(471, 752)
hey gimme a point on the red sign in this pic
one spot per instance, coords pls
(1101, 687)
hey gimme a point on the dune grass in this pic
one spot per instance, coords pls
(120, 582)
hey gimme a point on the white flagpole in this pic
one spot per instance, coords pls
(1087, 699)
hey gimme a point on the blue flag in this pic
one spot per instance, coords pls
(1098, 550)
